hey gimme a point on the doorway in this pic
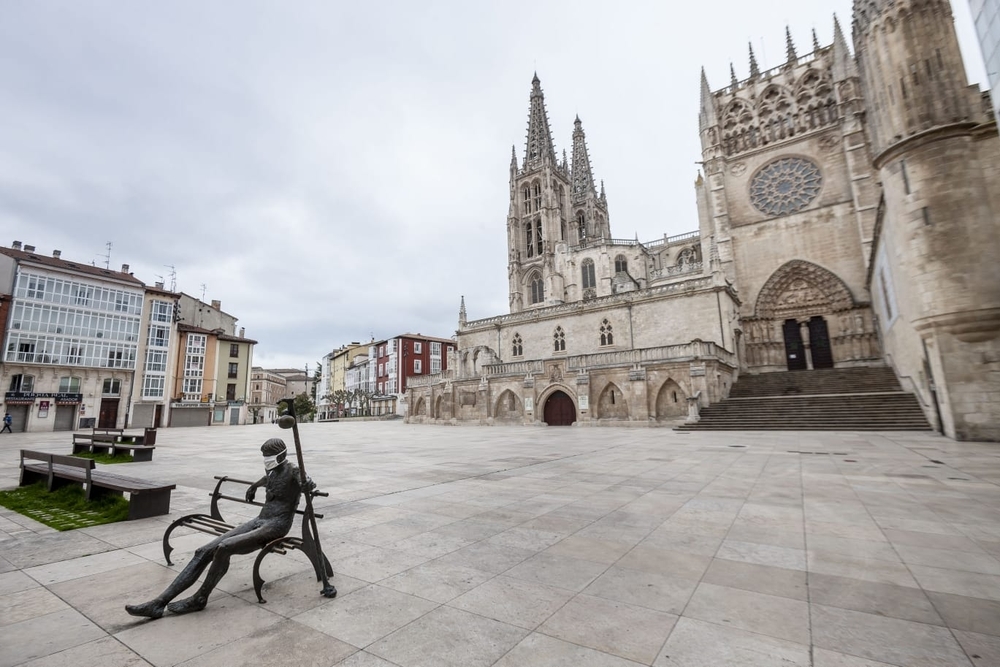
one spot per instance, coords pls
(560, 410)
(795, 350)
(108, 417)
(819, 343)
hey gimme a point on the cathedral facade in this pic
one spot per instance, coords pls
(848, 212)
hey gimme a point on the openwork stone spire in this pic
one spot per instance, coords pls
(754, 70)
(583, 177)
(539, 147)
(790, 46)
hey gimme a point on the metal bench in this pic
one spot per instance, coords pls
(214, 524)
(145, 498)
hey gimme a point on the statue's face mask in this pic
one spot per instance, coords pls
(272, 462)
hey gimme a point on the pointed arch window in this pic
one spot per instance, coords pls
(537, 289)
(529, 238)
(537, 188)
(538, 237)
(621, 264)
(589, 279)
(581, 226)
(559, 340)
(607, 337)
(517, 347)
(526, 200)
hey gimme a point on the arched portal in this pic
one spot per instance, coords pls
(420, 409)
(806, 317)
(438, 405)
(559, 410)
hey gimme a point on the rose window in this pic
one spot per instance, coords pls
(785, 186)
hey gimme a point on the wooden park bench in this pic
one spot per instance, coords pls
(145, 498)
(214, 524)
(113, 444)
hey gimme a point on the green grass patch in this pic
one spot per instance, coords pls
(65, 508)
(104, 457)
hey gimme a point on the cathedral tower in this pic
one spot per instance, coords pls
(552, 206)
(937, 155)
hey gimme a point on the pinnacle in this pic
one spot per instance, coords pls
(790, 46)
(732, 75)
(754, 70)
(815, 41)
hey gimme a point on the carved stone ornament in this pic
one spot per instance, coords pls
(829, 142)
(738, 169)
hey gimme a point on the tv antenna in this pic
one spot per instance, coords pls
(107, 257)
(173, 277)
(204, 288)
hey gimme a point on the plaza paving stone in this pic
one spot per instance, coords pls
(511, 546)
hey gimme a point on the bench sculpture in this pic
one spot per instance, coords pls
(214, 524)
(145, 499)
(284, 483)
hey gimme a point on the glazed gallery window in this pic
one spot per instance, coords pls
(606, 336)
(559, 340)
(153, 386)
(161, 311)
(588, 277)
(537, 290)
(517, 347)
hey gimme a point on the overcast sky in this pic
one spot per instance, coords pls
(333, 171)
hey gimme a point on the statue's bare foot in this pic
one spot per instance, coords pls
(186, 606)
(151, 609)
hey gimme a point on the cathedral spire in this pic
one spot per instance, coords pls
(732, 75)
(844, 66)
(583, 177)
(790, 46)
(754, 70)
(707, 117)
(539, 148)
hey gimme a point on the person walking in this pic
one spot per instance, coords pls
(7, 421)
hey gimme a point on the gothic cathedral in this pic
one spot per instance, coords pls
(849, 215)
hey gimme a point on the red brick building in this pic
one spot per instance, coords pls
(400, 358)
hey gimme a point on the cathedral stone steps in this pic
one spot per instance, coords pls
(853, 399)
(823, 381)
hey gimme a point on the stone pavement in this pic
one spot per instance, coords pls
(569, 547)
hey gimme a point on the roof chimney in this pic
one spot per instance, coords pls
(29, 248)
(16, 245)
(124, 268)
(216, 304)
(243, 331)
(57, 253)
